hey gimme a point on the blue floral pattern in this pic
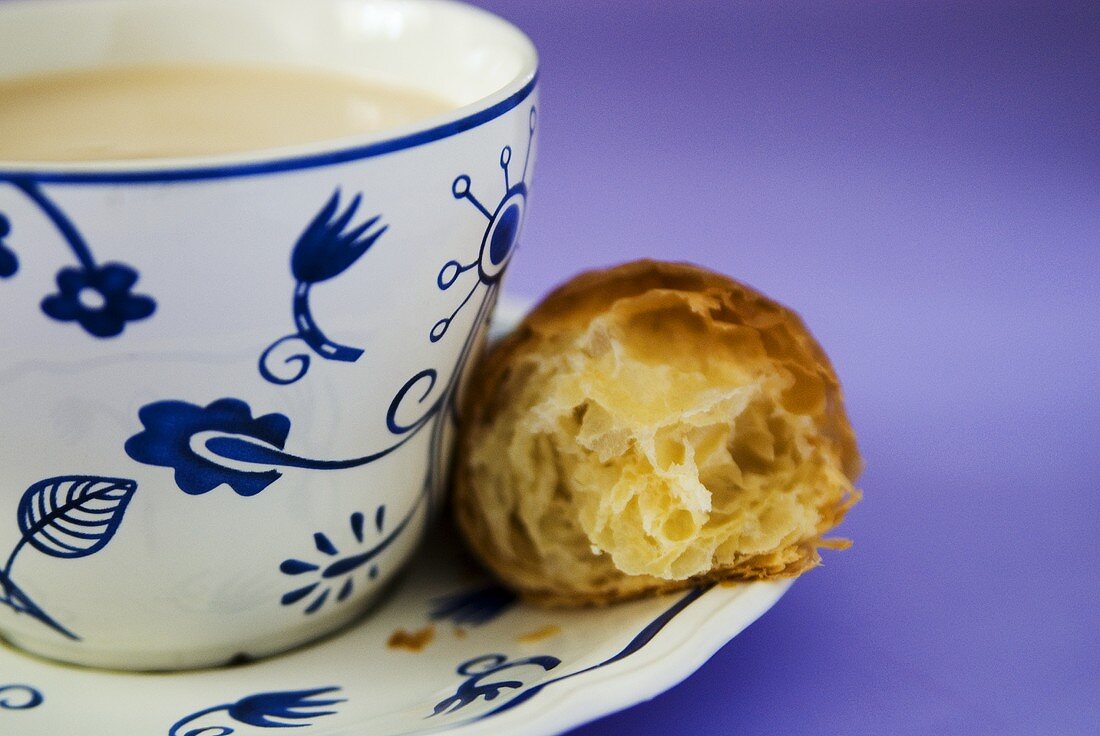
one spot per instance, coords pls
(171, 425)
(98, 298)
(232, 439)
(170, 429)
(226, 443)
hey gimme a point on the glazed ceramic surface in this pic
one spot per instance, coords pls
(226, 386)
(487, 665)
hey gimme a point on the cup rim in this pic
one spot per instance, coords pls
(296, 157)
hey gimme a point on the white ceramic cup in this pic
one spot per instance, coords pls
(226, 389)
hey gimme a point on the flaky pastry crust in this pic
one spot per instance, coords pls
(648, 428)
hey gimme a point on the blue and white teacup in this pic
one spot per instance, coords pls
(227, 385)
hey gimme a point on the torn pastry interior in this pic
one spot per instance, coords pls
(647, 428)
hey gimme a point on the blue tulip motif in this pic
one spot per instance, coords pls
(324, 251)
(286, 709)
(329, 246)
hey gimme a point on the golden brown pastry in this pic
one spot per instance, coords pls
(649, 427)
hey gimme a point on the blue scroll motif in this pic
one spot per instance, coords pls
(19, 697)
(285, 709)
(67, 517)
(100, 298)
(328, 247)
(170, 428)
(479, 669)
(480, 683)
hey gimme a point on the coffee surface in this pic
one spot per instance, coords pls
(184, 111)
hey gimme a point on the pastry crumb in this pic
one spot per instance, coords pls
(539, 634)
(411, 641)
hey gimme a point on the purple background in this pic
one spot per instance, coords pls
(922, 182)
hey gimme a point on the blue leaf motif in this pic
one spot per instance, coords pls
(73, 516)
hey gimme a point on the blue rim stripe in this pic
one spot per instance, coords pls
(289, 164)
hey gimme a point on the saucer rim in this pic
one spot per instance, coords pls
(671, 662)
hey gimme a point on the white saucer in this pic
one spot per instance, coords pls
(493, 666)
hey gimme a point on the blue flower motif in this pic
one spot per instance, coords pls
(9, 264)
(100, 298)
(171, 425)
